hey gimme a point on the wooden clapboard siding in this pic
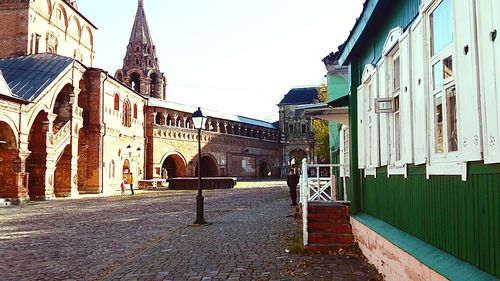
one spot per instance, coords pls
(460, 218)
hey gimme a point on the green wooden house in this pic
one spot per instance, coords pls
(424, 112)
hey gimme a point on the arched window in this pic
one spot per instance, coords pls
(127, 122)
(117, 102)
(135, 110)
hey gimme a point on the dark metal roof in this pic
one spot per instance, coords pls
(29, 76)
(300, 96)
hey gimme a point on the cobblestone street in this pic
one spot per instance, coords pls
(148, 237)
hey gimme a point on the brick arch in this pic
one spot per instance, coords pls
(62, 173)
(209, 166)
(87, 36)
(9, 153)
(9, 124)
(69, 27)
(263, 169)
(174, 164)
(64, 13)
(36, 163)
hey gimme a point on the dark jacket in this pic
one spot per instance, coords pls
(292, 180)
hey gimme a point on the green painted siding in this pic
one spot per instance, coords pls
(461, 218)
(337, 87)
(398, 13)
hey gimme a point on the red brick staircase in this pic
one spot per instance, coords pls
(328, 226)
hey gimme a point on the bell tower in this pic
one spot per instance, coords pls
(141, 70)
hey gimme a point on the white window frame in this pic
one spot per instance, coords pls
(370, 124)
(448, 162)
(391, 51)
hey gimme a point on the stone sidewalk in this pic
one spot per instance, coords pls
(245, 244)
(147, 237)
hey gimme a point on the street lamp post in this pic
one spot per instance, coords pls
(199, 122)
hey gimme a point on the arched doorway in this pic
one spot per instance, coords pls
(8, 154)
(62, 174)
(209, 167)
(63, 107)
(173, 167)
(36, 163)
(263, 170)
(126, 172)
(296, 157)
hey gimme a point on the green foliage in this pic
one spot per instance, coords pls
(321, 131)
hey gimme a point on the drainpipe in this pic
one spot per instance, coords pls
(101, 148)
(146, 140)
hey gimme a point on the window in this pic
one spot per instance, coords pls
(290, 128)
(395, 121)
(304, 128)
(135, 111)
(126, 118)
(37, 43)
(444, 95)
(117, 102)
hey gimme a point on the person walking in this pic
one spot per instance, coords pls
(292, 181)
(131, 183)
(122, 187)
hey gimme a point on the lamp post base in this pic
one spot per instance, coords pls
(199, 211)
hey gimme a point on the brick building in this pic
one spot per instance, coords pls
(297, 135)
(68, 128)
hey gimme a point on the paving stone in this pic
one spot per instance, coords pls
(149, 237)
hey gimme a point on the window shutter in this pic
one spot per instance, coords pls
(488, 56)
(361, 129)
(418, 95)
(375, 140)
(467, 83)
(405, 100)
(384, 120)
(342, 151)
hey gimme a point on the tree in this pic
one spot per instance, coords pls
(321, 131)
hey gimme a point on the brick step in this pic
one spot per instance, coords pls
(330, 238)
(322, 227)
(325, 248)
(334, 209)
(330, 218)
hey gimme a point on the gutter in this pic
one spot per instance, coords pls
(101, 148)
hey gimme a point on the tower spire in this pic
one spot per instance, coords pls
(141, 70)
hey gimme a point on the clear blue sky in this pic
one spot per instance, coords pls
(234, 56)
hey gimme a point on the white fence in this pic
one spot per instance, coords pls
(319, 183)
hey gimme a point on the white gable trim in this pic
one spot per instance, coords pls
(367, 72)
(392, 39)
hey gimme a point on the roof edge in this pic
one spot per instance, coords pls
(358, 29)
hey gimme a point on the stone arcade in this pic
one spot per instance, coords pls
(67, 128)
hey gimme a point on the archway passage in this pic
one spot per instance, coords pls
(208, 167)
(126, 172)
(173, 167)
(8, 154)
(62, 174)
(36, 163)
(62, 108)
(296, 157)
(263, 170)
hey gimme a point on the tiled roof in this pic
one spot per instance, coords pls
(28, 76)
(300, 96)
(211, 113)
